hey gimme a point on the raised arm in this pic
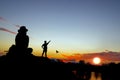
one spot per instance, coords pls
(49, 41)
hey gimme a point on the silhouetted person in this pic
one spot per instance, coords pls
(44, 46)
(22, 39)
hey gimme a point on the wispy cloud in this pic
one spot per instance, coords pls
(8, 22)
(105, 56)
(7, 30)
(2, 19)
(73, 57)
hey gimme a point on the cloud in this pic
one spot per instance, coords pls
(6, 30)
(2, 19)
(73, 57)
(109, 56)
(8, 22)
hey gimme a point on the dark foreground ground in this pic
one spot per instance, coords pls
(43, 68)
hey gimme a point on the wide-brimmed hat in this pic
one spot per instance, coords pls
(22, 29)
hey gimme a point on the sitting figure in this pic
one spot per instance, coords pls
(22, 39)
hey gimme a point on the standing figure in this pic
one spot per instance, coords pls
(44, 46)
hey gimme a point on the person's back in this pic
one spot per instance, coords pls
(22, 40)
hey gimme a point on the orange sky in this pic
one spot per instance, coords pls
(105, 57)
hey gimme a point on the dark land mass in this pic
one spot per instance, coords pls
(42, 68)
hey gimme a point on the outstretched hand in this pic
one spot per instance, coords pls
(49, 41)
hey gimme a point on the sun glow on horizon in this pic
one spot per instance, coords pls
(96, 60)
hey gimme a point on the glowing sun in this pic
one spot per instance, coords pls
(96, 60)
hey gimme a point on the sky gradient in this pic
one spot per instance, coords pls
(73, 26)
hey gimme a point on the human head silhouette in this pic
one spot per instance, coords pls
(45, 41)
(23, 29)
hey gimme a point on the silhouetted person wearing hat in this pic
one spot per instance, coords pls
(22, 39)
(44, 46)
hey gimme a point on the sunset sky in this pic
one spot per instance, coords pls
(73, 26)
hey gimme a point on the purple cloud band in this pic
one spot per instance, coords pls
(6, 30)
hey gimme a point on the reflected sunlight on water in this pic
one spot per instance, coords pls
(94, 78)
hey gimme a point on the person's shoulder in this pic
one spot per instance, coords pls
(27, 36)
